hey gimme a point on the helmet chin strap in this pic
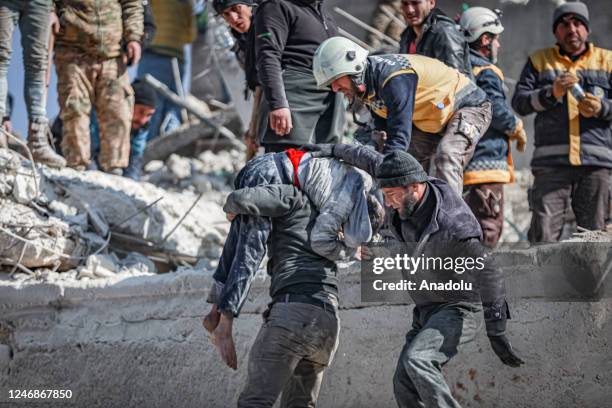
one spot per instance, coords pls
(492, 57)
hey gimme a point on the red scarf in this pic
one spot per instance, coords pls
(295, 156)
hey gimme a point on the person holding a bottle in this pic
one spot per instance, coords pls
(569, 87)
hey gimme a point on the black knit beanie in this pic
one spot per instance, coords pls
(144, 94)
(576, 8)
(220, 5)
(399, 169)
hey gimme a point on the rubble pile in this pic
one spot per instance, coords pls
(517, 216)
(64, 224)
(208, 172)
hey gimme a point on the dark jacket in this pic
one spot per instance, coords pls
(293, 266)
(562, 136)
(447, 219)
(441, 40)
(492, 160)
(288, 32)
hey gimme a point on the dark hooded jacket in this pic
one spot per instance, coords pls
(443, 218)
(441, 40)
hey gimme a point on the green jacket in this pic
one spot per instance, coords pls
(99, 27)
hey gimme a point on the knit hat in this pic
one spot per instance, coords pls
(577, 8)
(220, 5)
(399, 169)
(144, 94)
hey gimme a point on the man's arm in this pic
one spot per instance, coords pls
(504, 120)
(275, 200)
(606, 105)
(495, 307)
(133, 20)
(362, 157)
(398, 94)
(271, 32)
(530, 96)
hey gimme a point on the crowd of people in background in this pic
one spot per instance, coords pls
(104, 120)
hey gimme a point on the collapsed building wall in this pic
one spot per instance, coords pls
(139, 342)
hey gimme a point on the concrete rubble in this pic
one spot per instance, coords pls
(94, 225)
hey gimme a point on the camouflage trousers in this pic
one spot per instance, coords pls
(84, 81)
(384, 23)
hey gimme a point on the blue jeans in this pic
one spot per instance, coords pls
(33, 18)
(438, 331)
(245, 246)
(138, 138)
(166, 114)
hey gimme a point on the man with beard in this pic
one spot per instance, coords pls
(426, 210)
(424, 106)
(432, 33)
(572, 161)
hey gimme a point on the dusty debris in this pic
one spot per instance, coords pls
(107, 225)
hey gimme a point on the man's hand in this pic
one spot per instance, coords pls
(502, 347)
(319, 150)
(280, 121)
(134, 52)
(590, 106)
(54, 23)
(211, 320)
(223, 339)
(252, 145)
(521, 139)
(364, 253)
(563, 83)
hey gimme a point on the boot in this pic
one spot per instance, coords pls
(134, 169)
(38, 142)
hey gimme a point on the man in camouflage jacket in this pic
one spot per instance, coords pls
(96, 41)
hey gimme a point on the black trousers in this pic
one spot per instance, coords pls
(586, 189)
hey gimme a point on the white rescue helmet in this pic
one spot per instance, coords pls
(476, 21)
(337, 57)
